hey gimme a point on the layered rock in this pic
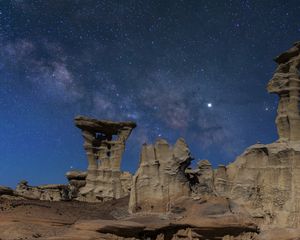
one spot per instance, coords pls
(160, 178)
(6, 190)
(286, 83)
(104, 142)
(211, 218)
(126, 181)
(77, 180)
(202, 178)
(49, 192)
(265, 179)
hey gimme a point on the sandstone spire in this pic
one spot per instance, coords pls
(104, 143)
(286, 83)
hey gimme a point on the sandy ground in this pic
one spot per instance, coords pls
(32, 219)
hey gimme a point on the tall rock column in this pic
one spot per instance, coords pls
(286, 83)
(104, 143)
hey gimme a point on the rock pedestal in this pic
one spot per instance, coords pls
(104, 142)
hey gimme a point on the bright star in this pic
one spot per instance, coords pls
(209, 105)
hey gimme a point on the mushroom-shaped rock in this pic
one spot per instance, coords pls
(104, 143)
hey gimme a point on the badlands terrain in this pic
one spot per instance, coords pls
(255, 197)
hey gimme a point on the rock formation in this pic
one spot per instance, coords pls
(160, 178)
(126, 181)
(286, 83)
(76, 181)
(6, 190)
(257, 197)
(104, 143)
(49, 192)
(202, 178)
(210, 218)
(265, 179)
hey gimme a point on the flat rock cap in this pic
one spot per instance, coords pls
(105, 126)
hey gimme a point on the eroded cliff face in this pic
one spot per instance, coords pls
(160, 178)
(265, 179)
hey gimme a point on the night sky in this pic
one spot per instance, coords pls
(196, 69)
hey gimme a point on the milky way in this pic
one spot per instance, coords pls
(196, 69)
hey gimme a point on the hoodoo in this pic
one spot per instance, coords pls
(286, 83)
(104, 143)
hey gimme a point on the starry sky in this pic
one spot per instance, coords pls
(193, 68)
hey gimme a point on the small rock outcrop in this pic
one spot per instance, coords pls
(104, 143)
(161, 177)
(126, 181)
(49, 192)
(77, 180)
(6, 190)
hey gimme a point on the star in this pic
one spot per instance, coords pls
(209, 105)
